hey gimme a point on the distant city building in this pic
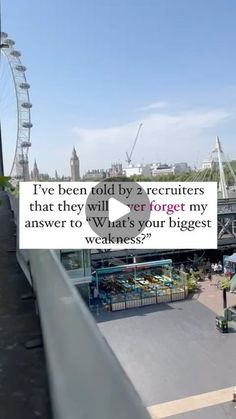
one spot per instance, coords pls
(64, 178)
(210, 164)
(138, 170)
(145, 170)
(44, 176)
(181, 168)
(99, 174)
(35, 172)
(115, 170)
(95, 174)
(58, 178)
(37, 176)
(159, 169)
(74, 166)
(156, 169)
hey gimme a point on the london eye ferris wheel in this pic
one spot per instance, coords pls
(19, 168)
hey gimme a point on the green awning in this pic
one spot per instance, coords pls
(132, 266)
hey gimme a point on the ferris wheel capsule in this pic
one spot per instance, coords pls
(20, 68)
(9, 42)
(26, 105)
(24, 85)
(26, 144)
(15, 53)
(27, 125)
(4, 45)
(4, 35)
(21, 161)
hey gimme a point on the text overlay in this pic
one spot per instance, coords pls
(110, 215)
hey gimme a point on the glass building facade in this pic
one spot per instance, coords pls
(77, 263)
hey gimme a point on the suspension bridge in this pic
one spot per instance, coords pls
(218, 168)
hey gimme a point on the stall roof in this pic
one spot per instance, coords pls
(232, 258)
(131, 266)
(233, 284)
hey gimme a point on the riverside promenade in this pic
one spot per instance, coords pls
(24, 390)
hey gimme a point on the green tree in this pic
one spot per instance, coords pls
(224, 285)
(4, 183)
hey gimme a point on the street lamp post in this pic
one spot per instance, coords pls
(224, 298)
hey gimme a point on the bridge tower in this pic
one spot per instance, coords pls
(222, 184)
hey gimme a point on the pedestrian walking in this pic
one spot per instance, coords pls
(208, 266)
(215, 268)
(219, 268)
(95, 293)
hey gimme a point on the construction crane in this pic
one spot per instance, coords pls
(129, 156)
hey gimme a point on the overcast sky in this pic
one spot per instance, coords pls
(98, 68)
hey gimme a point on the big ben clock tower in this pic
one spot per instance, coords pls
(74, 166)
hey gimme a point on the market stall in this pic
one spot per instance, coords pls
(139, 284)
(230, 270)
(229, 264)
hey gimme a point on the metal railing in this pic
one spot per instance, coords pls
(86, 379)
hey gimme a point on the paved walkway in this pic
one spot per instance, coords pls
(23, 378)
(211, 296)
(193, 403)
(179, 363)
